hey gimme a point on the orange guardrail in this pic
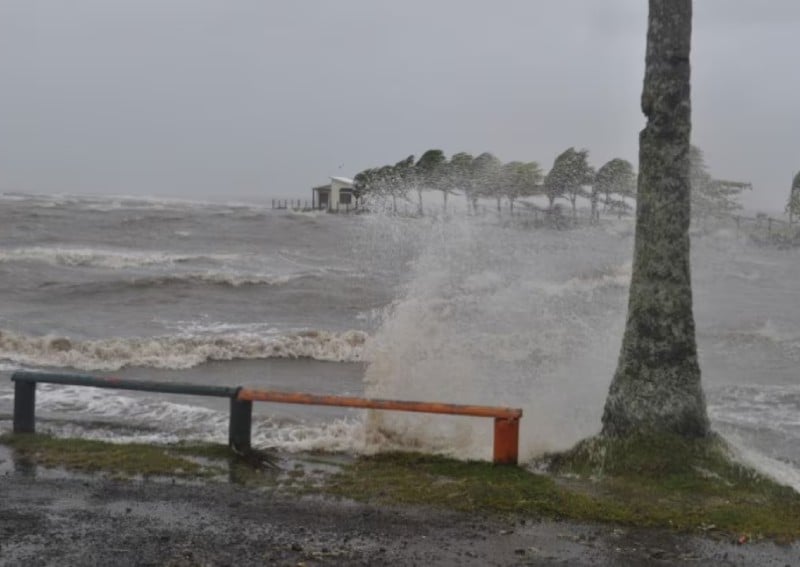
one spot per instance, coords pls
(506, 420)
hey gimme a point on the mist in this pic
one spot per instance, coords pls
(252, 100)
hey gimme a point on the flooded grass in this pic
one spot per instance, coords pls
(126, 460)
(181, 461)
(687, 486)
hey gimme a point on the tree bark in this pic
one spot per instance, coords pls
(656, 388)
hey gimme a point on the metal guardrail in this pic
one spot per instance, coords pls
(506, 420)
(125, 384)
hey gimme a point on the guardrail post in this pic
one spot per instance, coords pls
(240, 424)
(506, 441)
(24, 407)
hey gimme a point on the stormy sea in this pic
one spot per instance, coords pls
(480, 309)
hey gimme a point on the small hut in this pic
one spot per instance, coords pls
(337, 195)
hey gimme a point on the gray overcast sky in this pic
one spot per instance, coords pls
(245, 98)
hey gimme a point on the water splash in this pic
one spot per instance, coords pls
(501, 316)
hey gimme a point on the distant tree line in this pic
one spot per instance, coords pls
(571, 177)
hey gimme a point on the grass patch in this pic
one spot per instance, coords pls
(689, 486)
(686, 484)
(410, 478)
(183, 460)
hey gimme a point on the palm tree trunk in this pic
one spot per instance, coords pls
(656, 388)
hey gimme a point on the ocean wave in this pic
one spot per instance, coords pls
(107, 203)
(178, 351)
(761, 423)
(771, 332)
(767, 333)
(209, 278)
(218, 278)
(307, 215)
(9, 367)
(776, 407)
(100, 258)
(610, 277)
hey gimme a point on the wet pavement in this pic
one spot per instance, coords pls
(50, 517)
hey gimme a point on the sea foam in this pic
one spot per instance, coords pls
(178, 351)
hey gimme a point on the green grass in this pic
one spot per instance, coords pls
(685, 484)
(410, 478)
(665, 482)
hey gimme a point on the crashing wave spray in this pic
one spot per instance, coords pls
(506, 316)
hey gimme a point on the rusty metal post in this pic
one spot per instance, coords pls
(24, 407)
(240, 425)
(506, 441)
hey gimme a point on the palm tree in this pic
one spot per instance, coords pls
(429, 171)
(656, 388)
(615, 176)
(570, 172)
(521, 180)
(460, 174)
(486, 177)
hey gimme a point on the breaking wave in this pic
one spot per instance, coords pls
(608, 277)
(770, 331)
(178, 351)
(217, 278)
(207, 278)
(100, 258)
(768, 334)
